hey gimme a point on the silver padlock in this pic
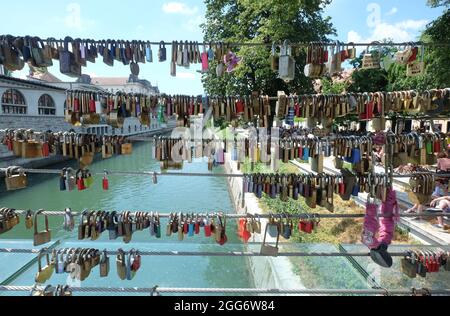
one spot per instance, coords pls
(286, 70)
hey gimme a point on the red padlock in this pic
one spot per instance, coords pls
(208, 230)
(76, 105)
(342, 188)
(437, 146)
(92, 105)
(9, 143)
(301, 226)
(246, 235)
(80, 184)
(223, 238)
(437, 265)
(241, 227)
(239, 107)
(197, 227)
(135, 266)
(297, 110)
(428, 264)
(309, 226)
(45, 149)
(110, 104)
(105, 183)
(325, 56)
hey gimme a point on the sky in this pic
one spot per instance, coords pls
(157, 20)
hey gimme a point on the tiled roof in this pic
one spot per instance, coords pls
(47, 77)
(29, 83)
(105, 81)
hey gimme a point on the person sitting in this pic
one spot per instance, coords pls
(443, 205)
(443, 162)
(440, 190)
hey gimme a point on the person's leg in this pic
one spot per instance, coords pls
(413, 209)
(444, 205)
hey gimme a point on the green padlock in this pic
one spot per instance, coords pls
(89, 180)
(429, 147)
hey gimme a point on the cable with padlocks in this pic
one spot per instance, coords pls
(158, 290)
(216, 254)
(199, 174)
(247, 216)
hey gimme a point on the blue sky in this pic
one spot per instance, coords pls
(168, 20)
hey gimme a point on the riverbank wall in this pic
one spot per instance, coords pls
(268, 272)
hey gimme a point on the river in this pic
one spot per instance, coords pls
(135, 193)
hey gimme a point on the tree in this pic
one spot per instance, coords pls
(264, 21)
(438, 3)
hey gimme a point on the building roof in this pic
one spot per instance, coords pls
(28, 83)
(46, 77)
(110, 81)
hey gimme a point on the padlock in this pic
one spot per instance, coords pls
(268, 250)
(60, 262)
(286, 69)
(44, 236)
(44, 273)
(15, 178)
(62, 180)
(71, 180)
(409, 265)
(207, 228)
(121, 265)
(104, 264)
(29, 219)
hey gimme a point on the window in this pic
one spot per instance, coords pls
(46, 105)
(13, 102)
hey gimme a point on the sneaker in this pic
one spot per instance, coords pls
(381, 256)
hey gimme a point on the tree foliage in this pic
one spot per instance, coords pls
(438, 3)
(262, 21)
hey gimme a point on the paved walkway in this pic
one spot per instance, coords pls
(422, 227)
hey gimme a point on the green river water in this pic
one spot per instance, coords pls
(171, 194)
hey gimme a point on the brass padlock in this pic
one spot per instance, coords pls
(15, 179)
(29, 219)
(121, 265)
(104, 264)
(44, 273)
(409, 265)
(42, 237)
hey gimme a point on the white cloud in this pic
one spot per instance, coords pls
(404, 31)
(73, 19)
(185, 75)
(193, 25)
(393, 11)
(179, 7)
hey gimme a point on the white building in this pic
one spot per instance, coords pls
(31, 104)
(39, 104)
(127, 85)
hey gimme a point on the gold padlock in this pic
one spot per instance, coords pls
(29, 220)
(15, 179)
(44, 273)
(42, 237)
(121, 265)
